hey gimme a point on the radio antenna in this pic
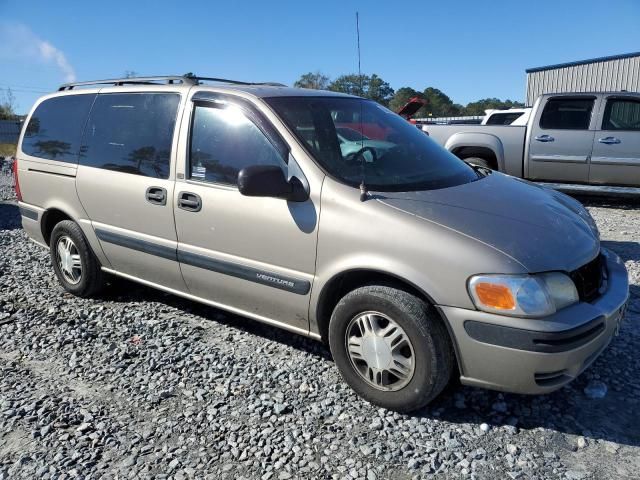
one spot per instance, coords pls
(358, 37)
(363, 187)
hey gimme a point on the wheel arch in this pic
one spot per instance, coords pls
(482, 145)
(344, 282)
(55, 213)
(50, 218)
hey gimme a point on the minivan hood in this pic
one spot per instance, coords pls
(540, 228)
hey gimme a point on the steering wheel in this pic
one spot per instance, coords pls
(352, 157)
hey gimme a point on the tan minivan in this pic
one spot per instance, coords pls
(327, 215)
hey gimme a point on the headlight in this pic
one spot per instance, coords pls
(523, 295)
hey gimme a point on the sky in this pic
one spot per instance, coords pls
(468, 49)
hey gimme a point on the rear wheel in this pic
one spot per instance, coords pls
(76, 267)
(390, 347)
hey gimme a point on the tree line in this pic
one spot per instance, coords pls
(375, 88)
(7, 105)
(367, 86)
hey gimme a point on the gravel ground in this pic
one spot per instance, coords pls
(143, 384)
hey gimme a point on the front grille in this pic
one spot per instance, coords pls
(589, 278)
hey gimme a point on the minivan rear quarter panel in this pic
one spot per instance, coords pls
(48, 184)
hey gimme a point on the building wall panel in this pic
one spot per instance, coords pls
(599, 75)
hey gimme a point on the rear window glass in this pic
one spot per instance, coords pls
(131, 133)
(55, 128)
(503, 118)
(621, 114)
(567, 114)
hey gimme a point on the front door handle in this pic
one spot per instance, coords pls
(156, 195)
(609, 140)
(189, 201)
(544, 138)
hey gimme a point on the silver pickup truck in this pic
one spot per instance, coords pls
(577, 138)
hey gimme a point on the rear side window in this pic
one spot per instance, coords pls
(55, 128)
(503, 118)
(224, 141)
(567, 114)
(621, 114)
(131, 133)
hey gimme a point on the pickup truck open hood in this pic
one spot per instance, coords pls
(541, 229)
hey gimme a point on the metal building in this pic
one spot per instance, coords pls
(618, 72)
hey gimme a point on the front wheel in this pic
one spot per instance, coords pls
(390, 347)
(480, 162)
(76, 267)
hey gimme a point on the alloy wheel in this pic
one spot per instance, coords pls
(380, 351)
(68, 258)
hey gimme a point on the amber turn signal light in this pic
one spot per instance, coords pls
(495, 296)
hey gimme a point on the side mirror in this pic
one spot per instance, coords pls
(269, 181)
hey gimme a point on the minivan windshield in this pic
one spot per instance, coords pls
(354, 140)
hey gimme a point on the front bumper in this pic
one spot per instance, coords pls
(538, 355)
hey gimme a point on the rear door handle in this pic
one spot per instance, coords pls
(189, 201)
(156, 195)
(609, 140)
(544, 138)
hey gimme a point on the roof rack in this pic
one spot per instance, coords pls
(166, 80)
(235, 82)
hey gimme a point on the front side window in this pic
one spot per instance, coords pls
(224, 141)
(567, 114)
(131, 133)
(355, 140)
(55, 128)
(621, 114)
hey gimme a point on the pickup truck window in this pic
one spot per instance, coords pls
(503, 118)
(355, 140)
(566, 113)
(621, 114)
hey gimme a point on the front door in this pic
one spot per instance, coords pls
(125, 183)
(253, 255)
(561, 138)
(616, 148)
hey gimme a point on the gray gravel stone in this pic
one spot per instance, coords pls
(140, 384)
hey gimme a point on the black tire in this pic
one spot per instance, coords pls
(434, 359)
(92, 279)
(480, 162)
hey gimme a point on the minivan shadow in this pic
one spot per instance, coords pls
(122, 290)
(627, 251)
(620, 203)
(567, 411)
(9, 216)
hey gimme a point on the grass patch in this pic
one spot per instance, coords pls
(7, 149)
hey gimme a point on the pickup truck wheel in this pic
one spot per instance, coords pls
(390, 347)
(481, 162)
(76, 267)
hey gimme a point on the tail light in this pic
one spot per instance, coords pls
(15, 179)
